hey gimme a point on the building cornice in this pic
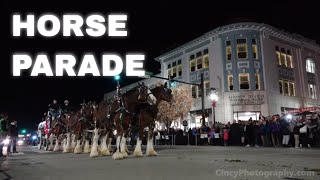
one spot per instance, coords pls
(292, 38)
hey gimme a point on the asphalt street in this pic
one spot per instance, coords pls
(173, 162)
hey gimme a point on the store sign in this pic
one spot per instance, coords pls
(304, 109)
(246, 99)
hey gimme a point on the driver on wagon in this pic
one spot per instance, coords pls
(54, 109)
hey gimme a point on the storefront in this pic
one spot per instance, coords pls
(244, 105)
(245, 116)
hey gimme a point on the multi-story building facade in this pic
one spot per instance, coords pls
(256, 69)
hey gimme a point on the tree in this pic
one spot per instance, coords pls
(178, 108)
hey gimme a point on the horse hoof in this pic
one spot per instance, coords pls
(137, 154)
(94, 155)
(105, 152)
(117, 156)
(152, 153)
(124, 154)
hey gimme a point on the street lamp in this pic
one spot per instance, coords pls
(213, 96)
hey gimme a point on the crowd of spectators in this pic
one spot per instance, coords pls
(272, 131)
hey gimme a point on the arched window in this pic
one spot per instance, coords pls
(310, 66)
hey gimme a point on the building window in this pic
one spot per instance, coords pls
(310, 66)
(292, 89)
(199, 91)
(242, 48)
(169, 72)
(244, 81)
(254, 49)
(192, 65)
(180, 70)
(281, 86)
(283, 59)
(230, 82)
(179, 61)
(278, 58)
(174, 64)
(206, 61)
(199, 63)
(207, 87)
(312, 91)
(228, 50)
(289, 61)
(174, 72)
(194, 91)
(287, 87)
(257, 81)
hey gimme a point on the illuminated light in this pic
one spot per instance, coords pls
(289, 116)
(172, 84)
(23, 131)
(117, 77)
(214, 97)
(6, 141)
(34, 137)
(247, 113)
(20, 142)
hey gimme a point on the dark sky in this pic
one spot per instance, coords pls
(154, 28)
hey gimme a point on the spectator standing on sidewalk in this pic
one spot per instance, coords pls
(13, 133)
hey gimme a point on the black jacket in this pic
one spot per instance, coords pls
(53, 106)
(13, 131)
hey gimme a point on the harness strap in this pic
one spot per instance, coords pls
(140, 120)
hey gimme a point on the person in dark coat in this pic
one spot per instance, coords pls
(284, 128)
(264, 131)
(256, 133)
(249, 133)
(235, 134)
(242, 133)
(13, 134)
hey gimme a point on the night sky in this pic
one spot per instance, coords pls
(154, 28)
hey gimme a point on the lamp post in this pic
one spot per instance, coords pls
(213, 96)
(117, 78)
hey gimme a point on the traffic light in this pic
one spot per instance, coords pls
(23, 131)
(172, 83)
(117, 77)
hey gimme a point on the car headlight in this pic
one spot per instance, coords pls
(20, 142)
(34, 137)
(6, 141)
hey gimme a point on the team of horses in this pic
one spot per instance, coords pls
(91, 129)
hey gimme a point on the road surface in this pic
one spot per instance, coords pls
(173, 162)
